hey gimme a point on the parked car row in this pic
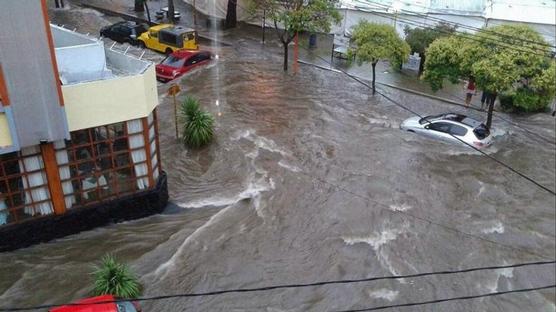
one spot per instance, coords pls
(177, 42)
(165, 38)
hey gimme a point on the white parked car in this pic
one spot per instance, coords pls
(450, 127)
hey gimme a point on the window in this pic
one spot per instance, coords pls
(24, 192)
(103, 162)
(173, 61)
(458, 130)
(440, 127)
(153, 34)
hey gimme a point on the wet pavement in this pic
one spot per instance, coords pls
(311, 179)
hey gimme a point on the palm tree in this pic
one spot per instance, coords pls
(171, 16)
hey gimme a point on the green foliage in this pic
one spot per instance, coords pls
(115, 279)
(524, 100)
(498, 60)
(294, 16)
(375, 42)
(420, 38)
(198, 128)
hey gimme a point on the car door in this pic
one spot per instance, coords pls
(440, 130)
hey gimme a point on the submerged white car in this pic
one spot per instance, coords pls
(450, 127)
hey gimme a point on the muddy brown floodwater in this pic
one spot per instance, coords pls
(311, 179)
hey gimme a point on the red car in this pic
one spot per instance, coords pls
(94, 304)
(180, 62)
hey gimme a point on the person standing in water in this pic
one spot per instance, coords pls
(470, 90)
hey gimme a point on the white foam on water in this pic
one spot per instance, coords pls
(383, 121)
(402, 207)
(481, 188)
(495, 227)
(284, 164)
(384, 293)
(507, 273)
(375, 240)
(252, 190)
(259, 141)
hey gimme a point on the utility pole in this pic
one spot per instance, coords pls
(264, 22)
(173, 91)
(295, 53)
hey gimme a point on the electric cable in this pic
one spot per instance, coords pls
(287, 286)
(412, 304)
(405, 213)
(469, 36)
(461, 25)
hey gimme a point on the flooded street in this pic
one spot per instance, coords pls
(311, 179)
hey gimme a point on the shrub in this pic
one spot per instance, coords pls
(116, 279)
(524, 100)
(198, 128)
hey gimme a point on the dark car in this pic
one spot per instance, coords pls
(180, 62)
(124, 32)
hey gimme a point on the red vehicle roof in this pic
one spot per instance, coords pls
(100, 307)
(186, 53)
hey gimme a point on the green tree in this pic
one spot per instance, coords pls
(293, 16)
(420, 38)
(198, 128)
(501, 59)
(375, 42)
(115, 278)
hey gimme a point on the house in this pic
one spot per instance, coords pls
(78, 131)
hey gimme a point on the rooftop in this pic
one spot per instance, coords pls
(82, 58)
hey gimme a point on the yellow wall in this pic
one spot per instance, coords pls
(5, 136)
(103, 102)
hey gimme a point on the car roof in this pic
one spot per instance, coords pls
(187, 53)
(456, 118)
(161, 26)
(178, 29)
(94, 306)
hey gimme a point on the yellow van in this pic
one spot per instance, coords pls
(167, 38)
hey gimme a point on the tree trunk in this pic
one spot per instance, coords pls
(491, 101)
(421, 64)
(147, 10)
(62, 3)
(285, 56)
(139, 6)
(57, 3)
(171, 17)
(374, 67)
(231, 14)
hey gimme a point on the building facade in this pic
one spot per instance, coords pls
(78, 131)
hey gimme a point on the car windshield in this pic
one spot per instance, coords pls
(126, 306)
(173, 61)
(481, 132)
(448, 116)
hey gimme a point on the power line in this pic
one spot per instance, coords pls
(465, 26)
(386, 207)
(492, 294)
(419, 115)
(468, 36)
(473, 147)
(287, 286)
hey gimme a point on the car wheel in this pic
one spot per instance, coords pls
(169, 51)
(141, 44)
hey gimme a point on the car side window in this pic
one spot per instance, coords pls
(153, 34)
(190, 61)
(204, 56)
(125, 306)
(458, 130)
(441, 127)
